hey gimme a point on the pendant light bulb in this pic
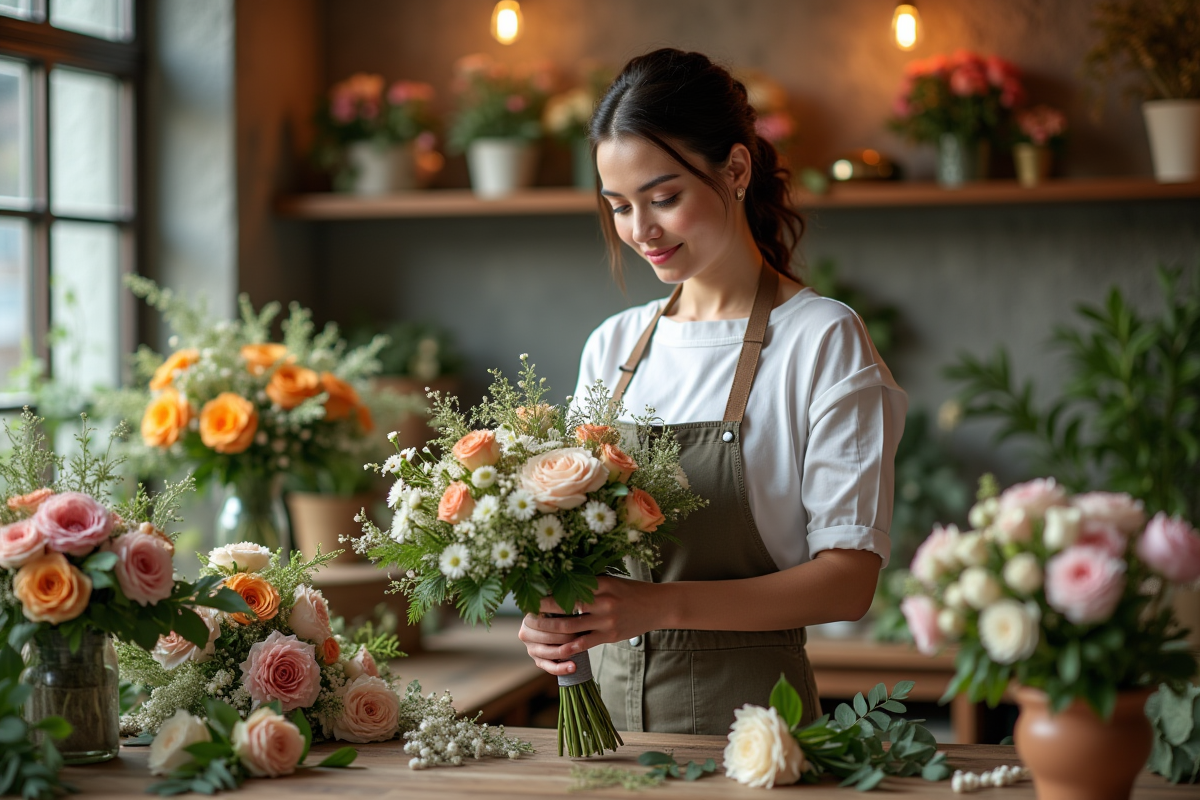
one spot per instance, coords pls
(507, 22)
(906, 26)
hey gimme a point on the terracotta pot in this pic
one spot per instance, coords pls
(413, 428)
(1074, 755)
(322, 519)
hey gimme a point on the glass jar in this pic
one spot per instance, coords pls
(81, 687)
(253, 512)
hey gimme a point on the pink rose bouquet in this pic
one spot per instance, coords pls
(537, 501)
(963, 94)
(1041, 125)
(1060, 593)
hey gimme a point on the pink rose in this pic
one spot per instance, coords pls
(999, 70)
(936, 555)
(921, 614)
(1119, 509)
(1033, 497)
(73, 523)
(173, 650)
(561, 479)
(1103, 536)
(515, 103)
(370, 711)
(642, 512)
(267, 744)
(309, 617)
(342, 107)
(363, 663)
(282, 668)
(144, 569)
(1171, 547)
(1012, 93)
(20, 542)
(966, 81)
(1085, 584)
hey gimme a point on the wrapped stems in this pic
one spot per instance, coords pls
(584, 725)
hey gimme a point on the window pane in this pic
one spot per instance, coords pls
(21, 9)
(85, 152)
(14, 134)
(107, 19)
(15, 316)
(85, 326)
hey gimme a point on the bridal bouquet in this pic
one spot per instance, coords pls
(534, 500)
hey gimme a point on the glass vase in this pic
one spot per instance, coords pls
(960, 159)
(80, 687)
(253, 512)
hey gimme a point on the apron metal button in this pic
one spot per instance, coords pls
(727, 436)
(636, 641)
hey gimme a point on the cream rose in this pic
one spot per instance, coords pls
(984, 513)
(370, 711)
(309, 617)
(173, 650)
(936, 555)
(561, 479)
(1009, 631)
(761, 751)
(167, 752)
(979, 588)
(20, 542)
(267, 744)
(971, 550)
(1062, 527)
(1023, 574)
(1012, 525)
(1118, 508)
(242, 557)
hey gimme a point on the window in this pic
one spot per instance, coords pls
(69, 81)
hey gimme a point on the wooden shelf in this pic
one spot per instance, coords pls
(566, 201)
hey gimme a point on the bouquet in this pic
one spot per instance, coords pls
(495, 101)
(964, 94)
(1041, 125)
(534, 500)
(1064, 594)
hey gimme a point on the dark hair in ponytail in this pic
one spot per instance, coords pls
(669, 97)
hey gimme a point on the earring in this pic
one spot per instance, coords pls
(741, 193)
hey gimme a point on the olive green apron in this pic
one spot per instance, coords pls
(690, 681)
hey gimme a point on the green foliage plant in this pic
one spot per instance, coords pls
(1175, 717)
(497, 101)
(27, 769)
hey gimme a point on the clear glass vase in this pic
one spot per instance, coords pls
(253, 512)
(81, 687)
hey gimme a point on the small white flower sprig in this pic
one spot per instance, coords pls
(439, 738)
(1004, 775)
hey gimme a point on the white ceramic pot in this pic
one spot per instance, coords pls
(1174, 130)
(379, 170)
(501, 166)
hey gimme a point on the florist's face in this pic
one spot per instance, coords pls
(671, 218)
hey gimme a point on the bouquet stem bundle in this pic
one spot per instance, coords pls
(584, 724)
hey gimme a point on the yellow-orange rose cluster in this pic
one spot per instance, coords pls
(228, 423)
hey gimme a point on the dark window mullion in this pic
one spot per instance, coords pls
(39, 228)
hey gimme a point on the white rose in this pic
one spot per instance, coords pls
(1023, 574)
(309, 617)
(248, 557)
(1012, 525)
(370, 711)
(971, 549)
(166, 751)
(953, 597)
(761, 751)
(984, 513)
(951, 622)
(1062, 527)
(1009, 631)
(1118, 508)
(979, 588)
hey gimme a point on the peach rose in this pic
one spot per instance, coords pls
(365, 421)
(20, 543)
(370, 711)
(291, 385)
(342, 397)
(456, 504)
(172, 650)
(144, 569)
(267, 744)
(331, 651)
(618, 463)
(261, 357)
(166, 417)
(29, 503)
(543, 414)
(363, 663)
(178, 361)
(258, 594)
(477, 449)
(642, 512)
(51, 589)
(309, 617)
(594, 434)
(562, 478)
(228, 423)
(73, 523)
(282, 668)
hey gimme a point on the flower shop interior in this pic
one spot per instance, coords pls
(1028, 267)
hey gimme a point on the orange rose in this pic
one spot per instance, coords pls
(178, 361)
(261, 357)
(364, 419)
(166, 417)
(620, 465)
(642, 512)
(331, 651)
(51, 589)
(594, 434)
(258, 594)
(291, 385)
(342, 397)
(456, 504)
(30, 502)
(228, 423)
(477, 449)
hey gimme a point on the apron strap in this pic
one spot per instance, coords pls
(639, 349)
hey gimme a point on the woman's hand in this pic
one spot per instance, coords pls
(621, 609)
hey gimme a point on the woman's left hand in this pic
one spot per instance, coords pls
(621, 609)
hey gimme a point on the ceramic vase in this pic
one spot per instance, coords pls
(322, 520)
(379, 169)
(1032, 163)
(501, 166)
(1173, 127)
(960, 160)
(81, 687)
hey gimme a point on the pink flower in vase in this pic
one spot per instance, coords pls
(968, 80)
(774, 127)
(1171, 547)
(1084, 584)
(516, 103)
(342, 107)
(73, 523)
(920, 612)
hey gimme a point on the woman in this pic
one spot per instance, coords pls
(787, 417)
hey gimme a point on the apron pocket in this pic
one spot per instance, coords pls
(724, 680)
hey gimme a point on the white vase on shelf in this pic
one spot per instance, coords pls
(501, 166)
(1173, 127)
(379, 169)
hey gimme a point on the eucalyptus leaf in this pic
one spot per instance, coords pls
(343, 757)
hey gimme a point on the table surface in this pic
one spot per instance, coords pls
(382, 771)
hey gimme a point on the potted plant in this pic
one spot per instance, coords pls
(1158, 40)
(566, 118)
(960, 104)
(769, 100)
(1038, 130)
(376, 141)
(498, 122)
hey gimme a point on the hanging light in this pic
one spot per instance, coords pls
(506, 21)
(906, 26)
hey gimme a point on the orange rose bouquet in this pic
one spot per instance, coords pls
(531, 500)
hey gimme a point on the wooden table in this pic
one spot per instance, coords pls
(544, 774)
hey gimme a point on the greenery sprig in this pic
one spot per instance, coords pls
(27, 769)
(1175, 717)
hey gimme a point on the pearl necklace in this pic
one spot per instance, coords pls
(967, 782)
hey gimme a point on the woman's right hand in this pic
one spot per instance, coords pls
(548, 649)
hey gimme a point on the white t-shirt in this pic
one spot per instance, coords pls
(821, 427)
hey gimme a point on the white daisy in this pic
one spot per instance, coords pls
(400, 524)
(634, 535)
(483, 477)
(506, 436)
(453, 469)
(548, 532)
(486, 509)
(413, 498)
(455, 561)
(392, 465)
(599, 517)
(521, 505)
(466, 528)
(395, 493)
(529, 443)
(408, 453)
(504, 555)
(392, 436)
